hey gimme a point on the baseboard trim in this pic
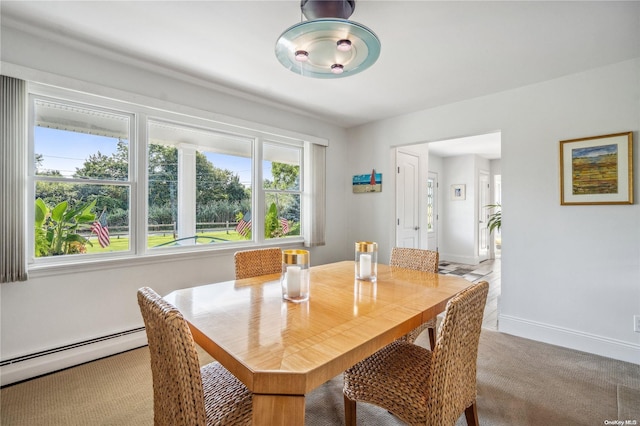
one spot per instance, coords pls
(33, 365)
(572, 339)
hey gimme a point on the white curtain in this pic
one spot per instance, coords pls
(13, 175)
(315, 209)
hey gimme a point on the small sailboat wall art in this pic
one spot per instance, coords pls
(367, 183)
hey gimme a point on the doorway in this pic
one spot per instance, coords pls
(454, 226)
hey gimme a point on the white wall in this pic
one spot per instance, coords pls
(570, 274)
(52, 310)
(457, 217)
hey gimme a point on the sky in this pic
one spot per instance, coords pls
(66, 151)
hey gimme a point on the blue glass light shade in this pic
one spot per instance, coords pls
(319, 38)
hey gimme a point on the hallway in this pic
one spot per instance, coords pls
(489, 271)
(490, 319)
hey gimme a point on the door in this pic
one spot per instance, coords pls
(432, 211)
(407, 202)
(483, 215)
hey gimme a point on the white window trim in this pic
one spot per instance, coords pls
(139, 254)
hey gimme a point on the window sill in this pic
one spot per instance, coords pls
(80, 266)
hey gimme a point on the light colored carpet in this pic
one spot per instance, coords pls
(628, 404)
(520, 382)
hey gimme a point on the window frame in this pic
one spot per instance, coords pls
(131, 183)
(141, 115)
(300, 191)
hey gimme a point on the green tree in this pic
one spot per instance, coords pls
(213, 184)
(114, 167)
(163, 175)
(216, 184)
(271, 223)
(54, 193)
(285, 176)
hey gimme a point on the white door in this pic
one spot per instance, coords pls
(484, 194)
(407, 202)
(432, 211)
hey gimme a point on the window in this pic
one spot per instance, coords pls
(82, 179)
(112, 179)
(282, 186)
(430, 204)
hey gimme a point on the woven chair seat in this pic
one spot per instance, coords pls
(423, 387)
(393, 378)
(227, 401)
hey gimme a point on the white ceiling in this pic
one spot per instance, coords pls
(433, 52)
(486, 146)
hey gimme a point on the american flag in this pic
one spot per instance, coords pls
(285, 225)
(244, 226)
(101, 229)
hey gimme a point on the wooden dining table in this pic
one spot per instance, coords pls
(283, 350)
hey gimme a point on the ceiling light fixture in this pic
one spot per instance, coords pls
(327, 45)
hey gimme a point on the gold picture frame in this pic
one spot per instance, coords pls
(597, 170)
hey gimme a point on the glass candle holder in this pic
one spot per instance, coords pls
(366, 260)
(295, 275)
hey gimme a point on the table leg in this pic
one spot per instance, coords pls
(278, 410)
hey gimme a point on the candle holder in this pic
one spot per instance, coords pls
(295, 275)
(366, 260)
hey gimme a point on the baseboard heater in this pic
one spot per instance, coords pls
(32, 365)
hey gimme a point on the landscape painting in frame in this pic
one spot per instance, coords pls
(597, 170)
(371, 182)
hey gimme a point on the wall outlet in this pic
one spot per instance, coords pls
(636, 323)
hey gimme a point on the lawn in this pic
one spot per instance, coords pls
(121, 243)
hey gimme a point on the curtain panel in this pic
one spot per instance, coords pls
(315, 216)
(13, 176)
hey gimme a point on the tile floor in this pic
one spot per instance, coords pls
(488, 270)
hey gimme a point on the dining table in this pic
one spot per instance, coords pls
(282, 350)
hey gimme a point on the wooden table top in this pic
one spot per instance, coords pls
(280, 347)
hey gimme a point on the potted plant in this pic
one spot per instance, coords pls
(495, 218)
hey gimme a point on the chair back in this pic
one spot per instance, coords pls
(178, 397)
(253, 263)
(416, 259)
(451, 384)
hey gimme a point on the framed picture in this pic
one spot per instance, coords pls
(367, 183)
(458, 192)
(597, 170)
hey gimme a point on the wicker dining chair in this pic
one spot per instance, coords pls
(419, 260)
(253, 263)
(183, 392)
(420, 386)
